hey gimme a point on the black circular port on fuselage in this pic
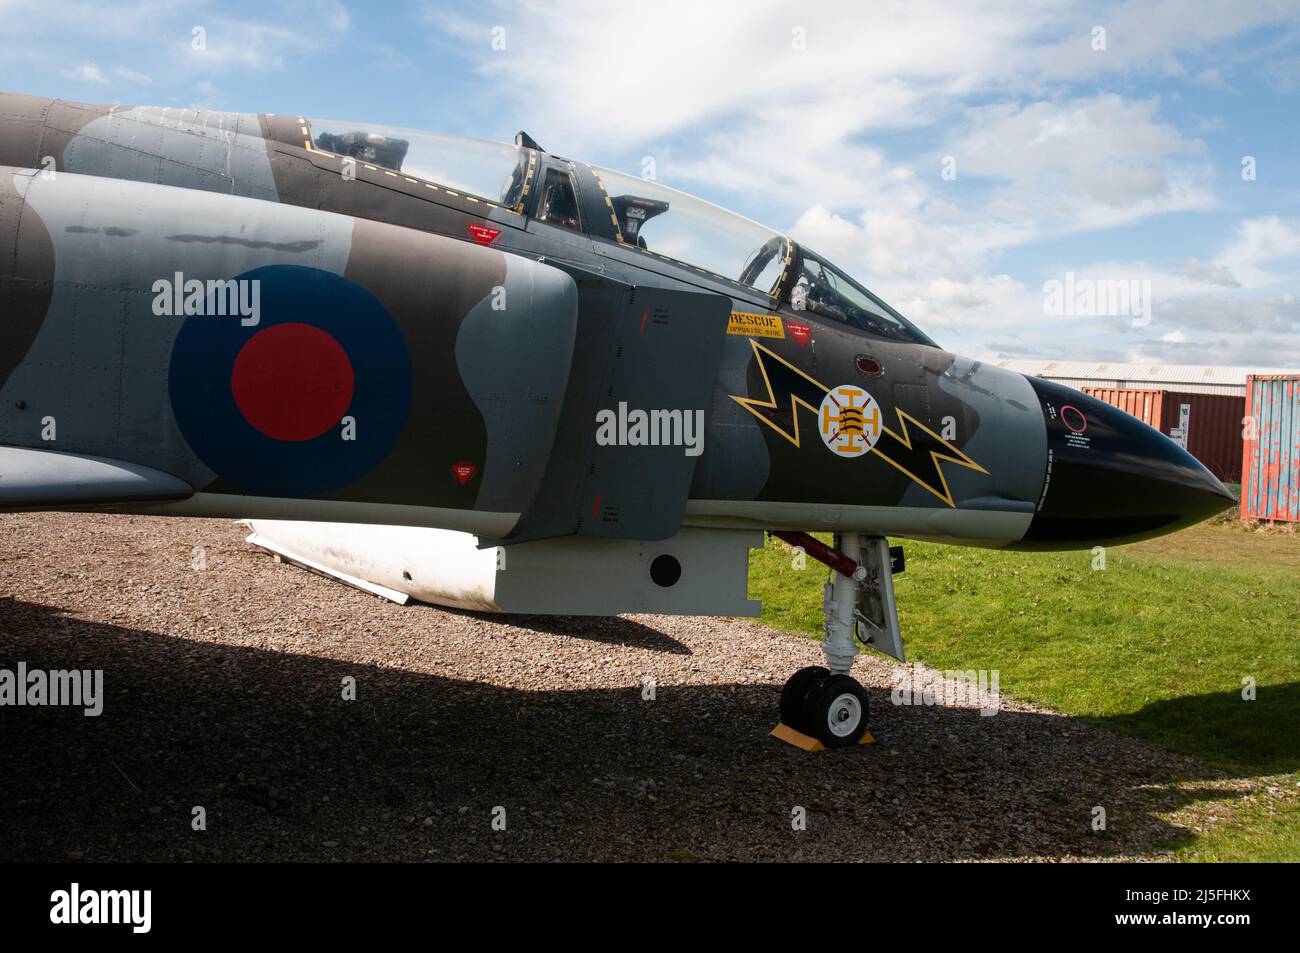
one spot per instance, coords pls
(665, 570)
(868, 366)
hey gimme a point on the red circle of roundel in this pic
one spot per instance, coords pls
(292, 381)
(199, 383)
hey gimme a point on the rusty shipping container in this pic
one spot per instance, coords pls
(1270, 489)
(1208, 425)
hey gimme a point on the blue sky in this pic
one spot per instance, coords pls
(1114, 162)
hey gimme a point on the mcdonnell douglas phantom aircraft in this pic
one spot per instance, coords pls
(484, 376)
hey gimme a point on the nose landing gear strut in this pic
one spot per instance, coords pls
(826, 703)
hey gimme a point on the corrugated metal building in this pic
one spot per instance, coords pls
(1270, 488)
(1208, 425)
(1182, 378)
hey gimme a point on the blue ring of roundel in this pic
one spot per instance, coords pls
(203, 358)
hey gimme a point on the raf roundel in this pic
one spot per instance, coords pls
(306, 400)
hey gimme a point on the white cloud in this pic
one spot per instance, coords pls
(210, 97)
(1057, 168)
(303, 26)
(653, 70)
(36, 20)
(1088, 163)
(1258, 316)
(1197, 315)
(1232, 350)
(1208, 273)
(1259, 242)
(1166, 38)
(86, 73)
(840, 142)
(131, 76)
(89, 72)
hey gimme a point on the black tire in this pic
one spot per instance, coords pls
(795, 693)
(830, 709)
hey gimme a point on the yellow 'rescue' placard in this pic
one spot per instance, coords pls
(755, 325)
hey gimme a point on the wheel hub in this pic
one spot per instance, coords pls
(844, 715)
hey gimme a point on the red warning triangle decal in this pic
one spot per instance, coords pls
(800, 332)
(463, 472)
(483, 234)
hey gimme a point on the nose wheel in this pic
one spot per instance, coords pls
(825, 702)
(796, 691)
(830, 707)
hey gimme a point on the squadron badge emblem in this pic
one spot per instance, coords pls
(849, 420)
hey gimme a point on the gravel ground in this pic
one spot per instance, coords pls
(223, 690)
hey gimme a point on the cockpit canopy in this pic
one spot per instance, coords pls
(490, 170)
(695, 232)
(661, 221)
(821, 288)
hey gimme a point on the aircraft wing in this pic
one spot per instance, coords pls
(45, 479)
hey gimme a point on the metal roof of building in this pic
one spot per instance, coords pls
(1193, 377)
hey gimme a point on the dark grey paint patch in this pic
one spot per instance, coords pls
(111, 231)
(300, 246)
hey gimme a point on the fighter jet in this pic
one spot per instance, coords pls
(480, 375)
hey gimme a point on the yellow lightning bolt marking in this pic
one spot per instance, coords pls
(749, 403)
(905, 422)
(954, 456)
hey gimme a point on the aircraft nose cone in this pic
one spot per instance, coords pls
(1112, 478)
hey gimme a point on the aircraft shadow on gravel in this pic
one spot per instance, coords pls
(603, 630)
(412, 769)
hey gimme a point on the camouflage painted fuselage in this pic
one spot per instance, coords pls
(430, 358)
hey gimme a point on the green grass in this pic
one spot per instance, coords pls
(1155, 645)
(1253, 832)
